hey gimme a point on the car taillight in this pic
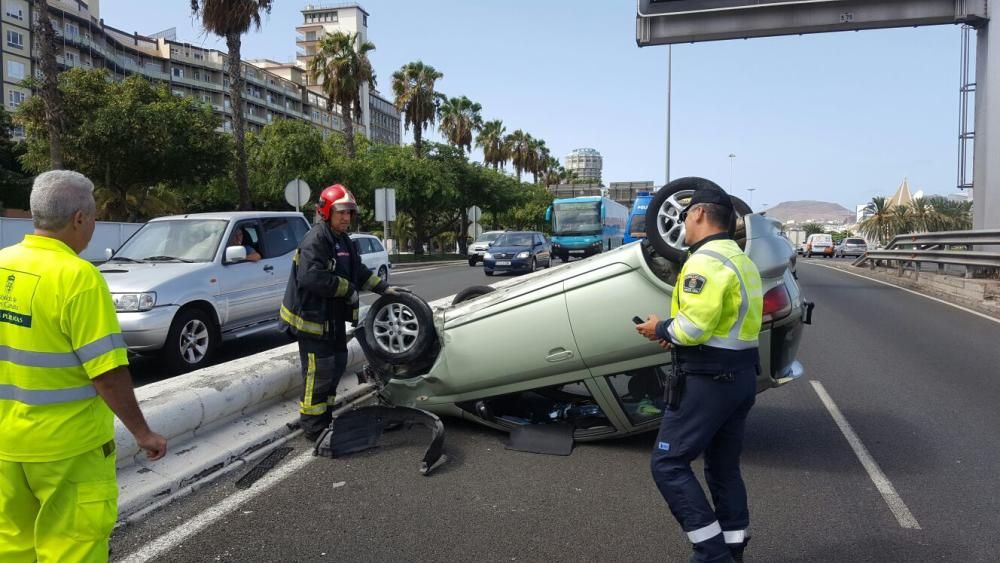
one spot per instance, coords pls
(777, 304)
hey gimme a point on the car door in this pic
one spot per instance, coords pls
(244, 285)
(281, 237)
(365, 250)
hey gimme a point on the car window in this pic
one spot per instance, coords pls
(514, 239)
(488, 237)
(364, 245)
(855, 241)
(640, 393)
(376, 245)
(279, 237)
(299, 229)
(251, 235)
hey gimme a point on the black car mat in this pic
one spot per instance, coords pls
(551, 439)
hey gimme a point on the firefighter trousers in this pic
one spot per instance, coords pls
(323, 363)
(58, 511)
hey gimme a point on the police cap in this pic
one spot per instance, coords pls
(707, 191)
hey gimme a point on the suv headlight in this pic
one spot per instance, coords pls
(487, 256)
(522, 255)
(133, 302)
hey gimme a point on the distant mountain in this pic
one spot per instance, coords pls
(811, 211)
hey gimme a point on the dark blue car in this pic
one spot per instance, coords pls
(518, 251)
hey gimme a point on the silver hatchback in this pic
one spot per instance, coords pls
(850, 247)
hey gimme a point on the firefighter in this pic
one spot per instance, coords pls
(63, 372)
(321, 297)
(712, 333)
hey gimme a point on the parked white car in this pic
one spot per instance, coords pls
(373, 254)
(182, 285)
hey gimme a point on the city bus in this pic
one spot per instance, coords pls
(635, 229)
(584, 226)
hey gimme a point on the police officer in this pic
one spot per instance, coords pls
(63, 372)
(716, 317)
(321, 297)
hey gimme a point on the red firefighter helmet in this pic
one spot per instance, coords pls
(335, 197)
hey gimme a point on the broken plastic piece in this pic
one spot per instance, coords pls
(361, 429)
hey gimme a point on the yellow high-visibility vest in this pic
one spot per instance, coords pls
(717, 300)
(58, 330)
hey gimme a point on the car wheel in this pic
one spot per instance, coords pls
(488, 272)
(190, 341)
(472, 261)
(664, 229)
(399, 329)
(533, 265)
(472, 292)
(383, 273)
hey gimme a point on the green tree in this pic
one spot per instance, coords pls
(15, 182)
(341, 65)
(520, 151)
(460, 118)
(416, 98)
(45, 37)
(812, 228)
(231, 19)
(881, 224)
(950, 215)
(491, 139)
(131, 138)
(284, 150)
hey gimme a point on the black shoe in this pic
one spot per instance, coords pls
(736, 550)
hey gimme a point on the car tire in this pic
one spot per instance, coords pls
(663, 230)
(472, 292)
(472, 262)
(383, 273)
(488, 272)
(533, 265)
(399, 329)
(191, 341)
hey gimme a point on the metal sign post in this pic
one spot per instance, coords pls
(385, 209)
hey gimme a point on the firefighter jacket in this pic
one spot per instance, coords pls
(716, 308)
(326, 276)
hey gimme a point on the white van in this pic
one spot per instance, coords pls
(819, 243)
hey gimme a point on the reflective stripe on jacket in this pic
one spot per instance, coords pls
(58, 330)
(717, 300)
(326, 273)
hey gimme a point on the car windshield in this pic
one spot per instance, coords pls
(488, 237)
(182, 240)
(576, 218)
(514, 239)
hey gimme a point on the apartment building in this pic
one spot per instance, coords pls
(273, 90)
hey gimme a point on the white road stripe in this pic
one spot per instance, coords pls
(407, 271)
(178, 535)
(882, 483)
(959, 307)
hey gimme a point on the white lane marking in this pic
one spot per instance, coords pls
(178, 535)
(401, 272)
(942, 301)
(882, 483)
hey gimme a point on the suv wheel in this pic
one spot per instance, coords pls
(190, 342)
(383, 273)
(472, 261)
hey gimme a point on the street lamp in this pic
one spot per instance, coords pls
(751, 190)
(732, 160)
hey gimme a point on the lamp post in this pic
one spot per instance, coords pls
(670, 58)
(732, 160)
(751, 190)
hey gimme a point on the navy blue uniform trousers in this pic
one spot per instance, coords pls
(710, 420)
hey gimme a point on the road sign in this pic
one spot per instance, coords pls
(297, 193)
(385, 204)
(474, 214)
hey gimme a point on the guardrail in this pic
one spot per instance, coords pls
(908, 252)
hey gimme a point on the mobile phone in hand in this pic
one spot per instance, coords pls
(637, 320)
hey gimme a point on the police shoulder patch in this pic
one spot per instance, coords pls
(694, 283)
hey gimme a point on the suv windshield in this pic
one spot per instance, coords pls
(514, 239)
(488, 237)
(194, 240)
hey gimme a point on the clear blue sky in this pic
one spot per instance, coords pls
(833, 117)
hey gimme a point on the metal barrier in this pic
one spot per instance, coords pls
(947, 247)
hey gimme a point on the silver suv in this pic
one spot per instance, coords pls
(183, 284)
(482, 243)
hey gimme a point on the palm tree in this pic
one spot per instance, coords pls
(880, 225)
(950, 215)
(342, 68)
(491, 140)
(460, 118)
(413, 86)
(553, 172)
(49, 91)
(539, 159)
(922, 215)
(520, 151)
(231, 19)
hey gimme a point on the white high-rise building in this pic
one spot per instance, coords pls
(586, 164)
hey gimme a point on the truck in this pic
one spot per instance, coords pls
(585, 226)
(635, 229)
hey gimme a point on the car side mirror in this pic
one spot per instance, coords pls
(108, 253)
(235, 254)
(489, 244)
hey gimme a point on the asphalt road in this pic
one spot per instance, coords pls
(915, 380)
(434, 282)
